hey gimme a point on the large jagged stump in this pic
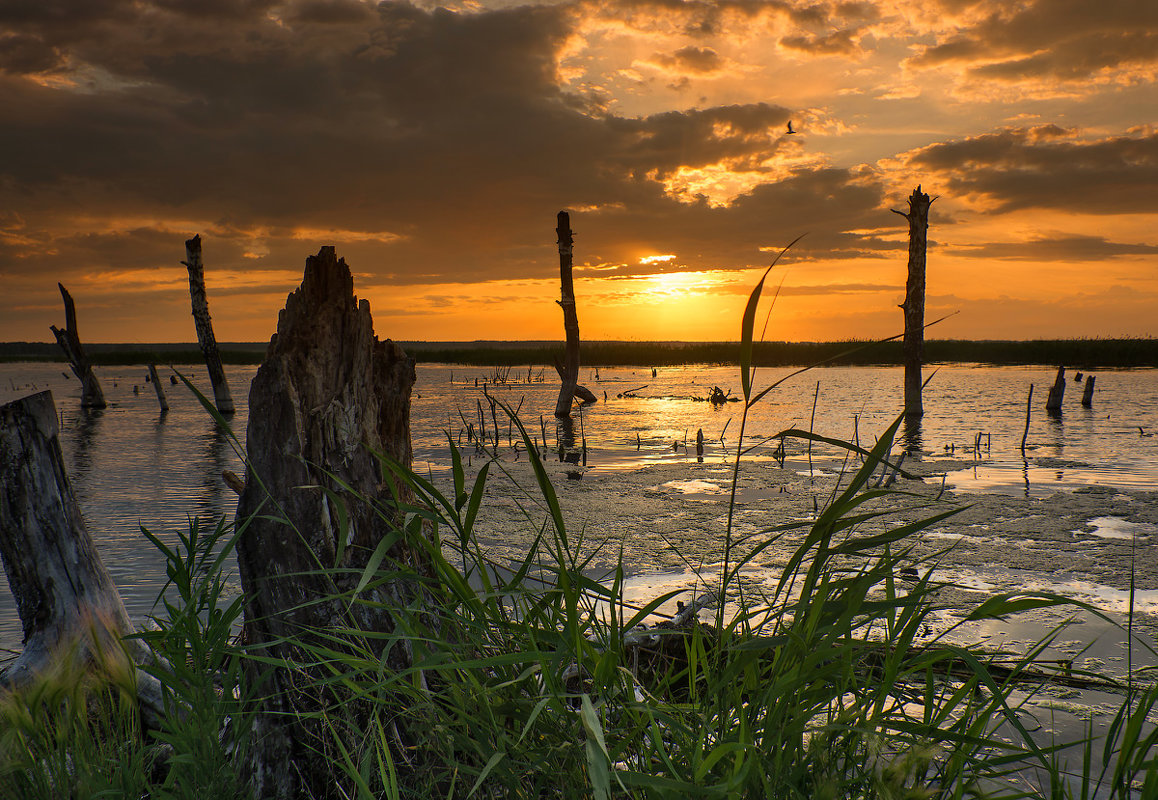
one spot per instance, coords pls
(327, 394)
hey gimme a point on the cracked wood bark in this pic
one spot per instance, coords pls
(326, 394)
(91, 395)
(914, 305)
(69, 606)
(205, 337)
(570, 371)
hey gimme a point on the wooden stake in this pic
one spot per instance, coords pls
(164, 401)
(91, 395)
(914, 305)
(222, 398)
(570, 371)
(1028, 406)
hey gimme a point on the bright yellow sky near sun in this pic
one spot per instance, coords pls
(432, 144)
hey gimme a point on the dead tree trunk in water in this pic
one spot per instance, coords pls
(91, 395)
(1053, 403)
(914, 305)
(160, 390)
(221, 396)
(570, 371)
(326, 394)
(67, 602)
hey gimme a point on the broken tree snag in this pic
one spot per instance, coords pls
(67, 602)
(1053, 403)
(1088, 393)
(161, 399)
(221, 396)
(91, 395)
(914, 305)
(570, 367)
(327, 393)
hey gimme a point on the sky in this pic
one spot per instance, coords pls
(433, 145)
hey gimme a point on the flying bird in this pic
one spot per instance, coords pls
(790, 131)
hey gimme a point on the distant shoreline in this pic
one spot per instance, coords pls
(1077, 353)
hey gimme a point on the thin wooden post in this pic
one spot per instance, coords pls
(164, 401)
(1028, 406)
(570, 371)
(221, 396)
(1088, 394)
(1053, 403)
(91, 395)
(914, 305)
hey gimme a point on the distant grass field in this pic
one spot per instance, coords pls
(1078, 353)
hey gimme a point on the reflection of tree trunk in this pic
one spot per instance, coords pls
(911, 433)
(570, 371)
(914, 305)
(327, 392)
(569, 450)
(91, 395)
(68, 603)
(205, 337)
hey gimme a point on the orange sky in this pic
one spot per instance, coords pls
(434, 145)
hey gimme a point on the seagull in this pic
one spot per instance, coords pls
(790, 131)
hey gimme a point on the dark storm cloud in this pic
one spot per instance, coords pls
(1022, 168)
(448, 131)
(1065, 40)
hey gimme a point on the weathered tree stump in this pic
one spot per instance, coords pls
(326, 394)
(69, 606)
(1088, 392)
(1053, 402)
(914, 305)
(91, 395)
(205, 336)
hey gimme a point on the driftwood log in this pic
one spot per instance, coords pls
(91, 395)
(205, 336)
(914, 305)
(327, 393)
(68, 605)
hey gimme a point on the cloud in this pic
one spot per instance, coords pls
(1053, 45)
(1048, 167)
(1056, 247)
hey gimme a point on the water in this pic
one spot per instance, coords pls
(131, 465)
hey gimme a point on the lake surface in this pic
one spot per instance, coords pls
(133, 466)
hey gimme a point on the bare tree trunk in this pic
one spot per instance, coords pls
(69, 606)
(221, 396)
(1088, 394)
(914, 305)
(161, 398)
(91, 395)
(1053, 403)
(570, 371)
(326, 394)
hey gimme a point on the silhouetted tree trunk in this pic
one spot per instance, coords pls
(221, 396)
(570, 371)
(91, 395)
(326, 394)
(914, 305)
(158, 388)
(1053, 403)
